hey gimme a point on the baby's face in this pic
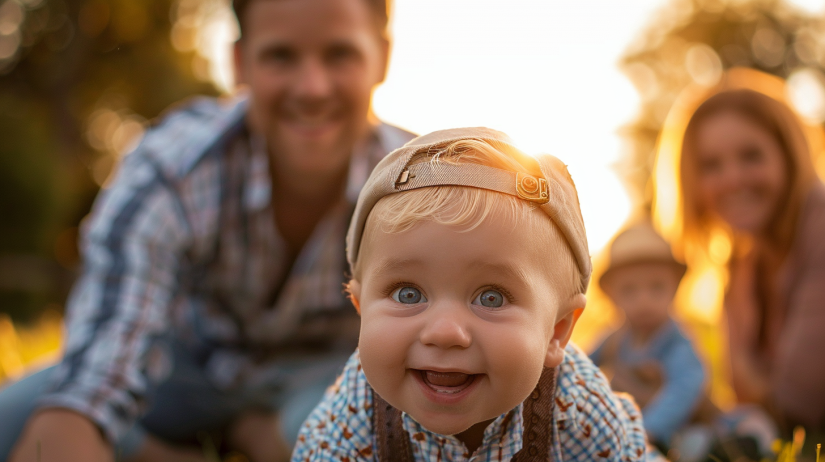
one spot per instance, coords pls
(644, 291)
(457, 325)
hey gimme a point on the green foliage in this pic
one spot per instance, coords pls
(62, 62)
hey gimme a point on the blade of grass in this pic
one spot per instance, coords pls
(210, 451)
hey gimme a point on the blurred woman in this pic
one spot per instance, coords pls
(746, 169)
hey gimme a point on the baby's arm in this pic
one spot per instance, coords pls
(340, 427)
(605, 353)
(676, 400)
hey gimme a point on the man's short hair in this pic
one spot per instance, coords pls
(380, 10)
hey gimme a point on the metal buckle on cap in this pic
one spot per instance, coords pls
(531, 188)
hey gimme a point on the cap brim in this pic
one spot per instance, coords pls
(680, 268)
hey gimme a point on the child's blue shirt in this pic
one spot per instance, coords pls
(683, 383)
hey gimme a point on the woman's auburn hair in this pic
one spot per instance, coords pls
(783, 125)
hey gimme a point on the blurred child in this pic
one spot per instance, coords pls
(469, 261)
(648, 356)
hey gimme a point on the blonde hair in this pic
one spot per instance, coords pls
(469, 207)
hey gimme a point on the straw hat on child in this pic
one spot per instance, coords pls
(640, 244)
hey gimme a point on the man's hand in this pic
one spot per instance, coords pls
(61, 435)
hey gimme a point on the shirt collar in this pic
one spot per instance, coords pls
(258, 189)
(504, 433)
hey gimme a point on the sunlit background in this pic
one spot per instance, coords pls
(592, 82)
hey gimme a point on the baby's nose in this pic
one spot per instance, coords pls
(447, 328)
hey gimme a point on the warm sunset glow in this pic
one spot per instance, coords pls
(544, 72)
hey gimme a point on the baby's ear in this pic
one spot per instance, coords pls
(564, 329)
(353, 291)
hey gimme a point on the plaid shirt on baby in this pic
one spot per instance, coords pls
(592, 423)
(184, 244)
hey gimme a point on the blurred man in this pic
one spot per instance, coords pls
(210, 310)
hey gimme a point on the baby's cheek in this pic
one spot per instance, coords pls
(382, 344)
(517, 362)
(383, 359)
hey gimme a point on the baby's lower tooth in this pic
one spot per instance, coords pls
(448, 392)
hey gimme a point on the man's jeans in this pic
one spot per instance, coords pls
(183, 407)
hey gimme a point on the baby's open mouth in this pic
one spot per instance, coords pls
(447, 382)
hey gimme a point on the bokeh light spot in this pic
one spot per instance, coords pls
(768, 47)
(9, 44)
(811, 6)
(11, 16)
(703, 64)
(93, 18)
(706, 294)
(805, 46)
(720, 247)
(806, 90)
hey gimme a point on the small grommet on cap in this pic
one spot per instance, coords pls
(531, 188)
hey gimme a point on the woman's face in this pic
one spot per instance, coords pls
(741, 171)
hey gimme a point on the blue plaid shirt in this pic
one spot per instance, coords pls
(184, 243)
(591, 423)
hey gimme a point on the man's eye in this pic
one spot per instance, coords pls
(278, 55)
(408, 295)
(490, 299)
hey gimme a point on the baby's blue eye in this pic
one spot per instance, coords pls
(490, 299)
(408, 295)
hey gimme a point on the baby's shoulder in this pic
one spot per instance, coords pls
(591, 419)
(341, 424)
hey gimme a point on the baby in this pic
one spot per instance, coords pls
(649, 357)
(469, 263)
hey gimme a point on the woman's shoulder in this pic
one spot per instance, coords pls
(810, 243)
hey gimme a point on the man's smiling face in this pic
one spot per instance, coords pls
(310, 67)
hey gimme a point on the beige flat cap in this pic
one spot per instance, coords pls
(640, 244)
(555, 194)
